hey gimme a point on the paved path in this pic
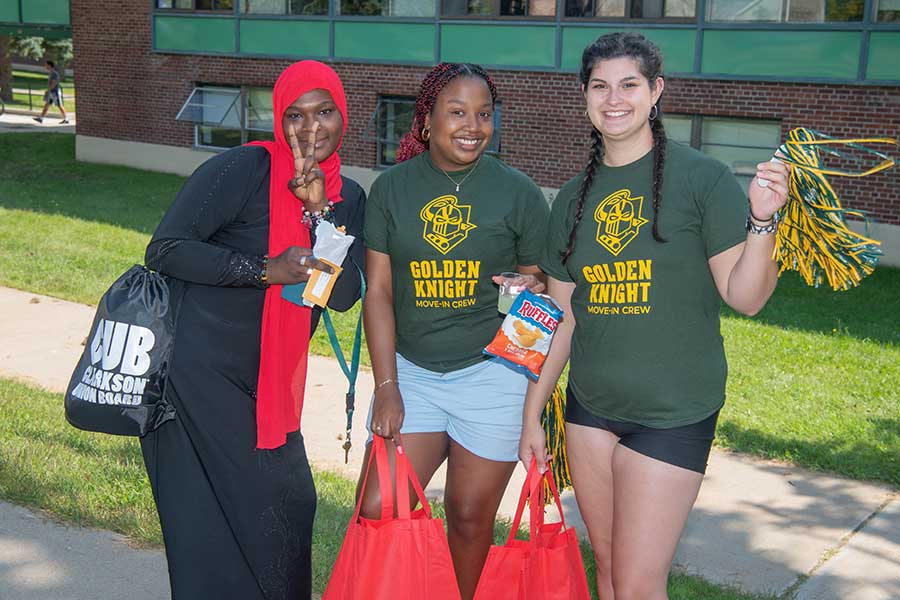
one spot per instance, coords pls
(21, 121)
(758, 525)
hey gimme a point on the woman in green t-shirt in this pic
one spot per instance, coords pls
(643, 246)
(438, 225)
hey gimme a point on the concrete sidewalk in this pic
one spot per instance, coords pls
(761, 526)
(22, 121)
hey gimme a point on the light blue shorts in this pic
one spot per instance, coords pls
(480, 407)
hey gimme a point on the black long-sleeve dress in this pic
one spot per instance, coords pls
(237, 521)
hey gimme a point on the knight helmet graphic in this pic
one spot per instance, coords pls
(619, 220)
(446, 223)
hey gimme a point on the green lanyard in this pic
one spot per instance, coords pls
(351, 371)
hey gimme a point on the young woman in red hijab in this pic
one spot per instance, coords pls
(230, 474)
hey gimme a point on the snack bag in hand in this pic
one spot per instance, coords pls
(525, 335)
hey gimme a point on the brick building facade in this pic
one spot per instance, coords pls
(129, 91)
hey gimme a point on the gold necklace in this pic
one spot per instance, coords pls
(463, 180)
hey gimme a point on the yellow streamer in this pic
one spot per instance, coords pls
(813, 238)
(554, 421)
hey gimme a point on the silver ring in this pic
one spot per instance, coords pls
(309, 271)
(303, 259)
(378, 428)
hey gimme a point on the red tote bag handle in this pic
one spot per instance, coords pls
(405, 476)
(533, 491)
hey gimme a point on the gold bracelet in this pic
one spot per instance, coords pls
(385, 382)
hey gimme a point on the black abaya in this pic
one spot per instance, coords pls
(237, 521)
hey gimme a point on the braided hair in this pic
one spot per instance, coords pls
(414, 143)
(650, 63)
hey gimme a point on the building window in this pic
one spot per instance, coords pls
(632, 9)
(285, 7)
(498, 8)
(227, 117)
(220, 5)
(786, 11)
(679, 128)
(888, 11)
(741, 144)
(393, 118)
(385, 8)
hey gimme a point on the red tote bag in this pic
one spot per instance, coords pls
(394, 558)
(546, 567)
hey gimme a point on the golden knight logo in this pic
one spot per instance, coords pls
(446, 223)
(619, 220)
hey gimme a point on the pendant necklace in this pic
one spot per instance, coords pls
(460, 182)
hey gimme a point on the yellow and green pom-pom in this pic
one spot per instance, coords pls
(554, 421)
(813, 237)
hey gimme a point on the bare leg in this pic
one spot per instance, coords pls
(590, 452)
(426, 452)
(474, 489)
(46, 108)
(63, 111)
(652, 502)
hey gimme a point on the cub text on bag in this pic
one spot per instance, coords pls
(118, 385)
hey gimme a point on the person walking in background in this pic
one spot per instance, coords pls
(53, 95)
(643, 246)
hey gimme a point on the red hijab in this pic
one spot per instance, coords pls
(285, 326)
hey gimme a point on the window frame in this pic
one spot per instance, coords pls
(242, 98)
(631, 20)
(696, 137)
(195, 10)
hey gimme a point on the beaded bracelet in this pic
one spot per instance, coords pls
(264, 271)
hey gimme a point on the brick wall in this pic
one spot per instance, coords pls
(126, 92)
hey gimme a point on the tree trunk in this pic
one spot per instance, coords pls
(5, 69)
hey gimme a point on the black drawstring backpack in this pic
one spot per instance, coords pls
(119, 385)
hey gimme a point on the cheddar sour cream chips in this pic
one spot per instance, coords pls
(524, 337)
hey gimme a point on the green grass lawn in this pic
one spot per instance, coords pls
(37, 84)
(813, 379)
(99, 480)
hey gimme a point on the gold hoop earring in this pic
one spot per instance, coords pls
(426, 133)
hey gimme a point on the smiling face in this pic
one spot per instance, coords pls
(461, 123)
(312, 107)
(619, 99)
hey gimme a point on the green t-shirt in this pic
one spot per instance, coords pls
(445, 246)
(647, 347)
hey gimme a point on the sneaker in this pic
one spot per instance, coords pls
(38, 119)
(64, 122)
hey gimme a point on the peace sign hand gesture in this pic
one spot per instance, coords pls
(308, 183)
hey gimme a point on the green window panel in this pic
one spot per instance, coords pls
(55, 12)
(676, 45)
(194, 34)
(777, 54)
(405, 42)
(519, 46)
(284, 38)
(884, 48)
(9, 11)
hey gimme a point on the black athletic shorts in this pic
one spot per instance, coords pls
(687, 446)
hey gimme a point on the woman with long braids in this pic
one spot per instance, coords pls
(438, 225)
(642, 246)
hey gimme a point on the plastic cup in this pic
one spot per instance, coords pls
(509, 289)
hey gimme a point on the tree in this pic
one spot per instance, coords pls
(41, 49)
(5, 69)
